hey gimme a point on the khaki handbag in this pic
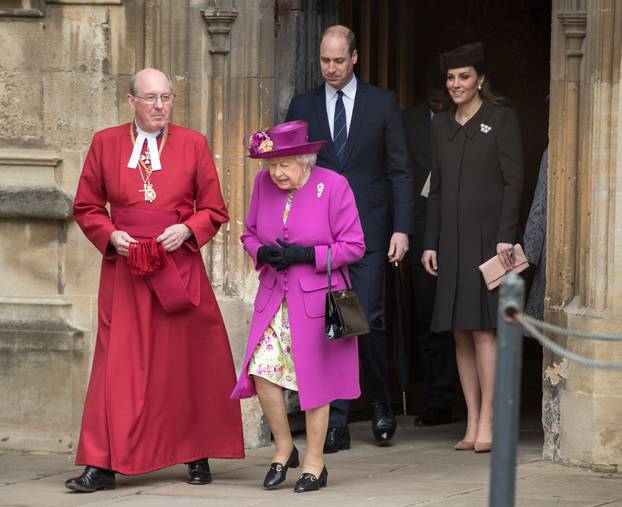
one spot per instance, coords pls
(494, 273)
(344, 316)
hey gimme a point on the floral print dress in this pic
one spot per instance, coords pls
(273, 358)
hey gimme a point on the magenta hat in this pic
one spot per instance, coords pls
(283, 140)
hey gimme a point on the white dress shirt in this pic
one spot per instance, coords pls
(349, 93)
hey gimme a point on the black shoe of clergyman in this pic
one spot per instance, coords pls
(433, 417)
(198, 472)
(91, 480)
(336, 439)
(278, 472)
(383, 423)
(309, 482)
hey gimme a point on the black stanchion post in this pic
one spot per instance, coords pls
(507, 394)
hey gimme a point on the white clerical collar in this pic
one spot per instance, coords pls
(348, 90)
(152, 145)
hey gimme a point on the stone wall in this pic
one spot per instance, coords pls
(62, 76)
(64, 72)
(583, 407)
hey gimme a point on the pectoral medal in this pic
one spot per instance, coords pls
(145, 163)
(150, 194)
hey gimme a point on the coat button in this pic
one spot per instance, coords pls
(285, 226)
(286, 288)
(286, 235)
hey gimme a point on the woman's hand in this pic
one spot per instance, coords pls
(282, 257)
(505, 252)
(294, 254)
(269, 255)
(121, 240)
(429, 262)
(174, 236)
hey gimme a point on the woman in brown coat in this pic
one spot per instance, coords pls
(473, 212)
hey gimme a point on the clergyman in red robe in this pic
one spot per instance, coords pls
(162, 370)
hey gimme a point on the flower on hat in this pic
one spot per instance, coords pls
(259, 142)
(266, 145)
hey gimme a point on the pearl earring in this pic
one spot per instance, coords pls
(479, 87)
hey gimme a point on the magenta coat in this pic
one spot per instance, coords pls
(323, 214)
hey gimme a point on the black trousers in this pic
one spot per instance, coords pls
(367, 277)
(437, 351)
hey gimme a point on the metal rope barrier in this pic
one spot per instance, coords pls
(568, 332)
(511, 324)
(525, 322)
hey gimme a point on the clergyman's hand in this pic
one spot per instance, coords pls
(174, 236)
(121, 240)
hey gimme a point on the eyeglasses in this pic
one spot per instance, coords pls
(152, 99)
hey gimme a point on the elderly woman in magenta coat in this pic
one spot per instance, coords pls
(297, 211)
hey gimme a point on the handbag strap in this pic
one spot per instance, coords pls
(328, 270)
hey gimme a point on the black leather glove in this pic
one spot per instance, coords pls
(269, 255)
(294, 254)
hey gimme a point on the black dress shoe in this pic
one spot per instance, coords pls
(383, 423)
(198, 472)
(433, 417)
(91, 480)
(309, 482)
(278, 472)
(336, 439)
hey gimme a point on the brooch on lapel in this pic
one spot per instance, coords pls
(485, 128)
(319, 189)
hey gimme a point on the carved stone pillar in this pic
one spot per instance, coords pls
(219, 23)
(238, 85)
(581, 406)
(564, 148)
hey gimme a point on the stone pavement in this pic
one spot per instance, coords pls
(421, 468)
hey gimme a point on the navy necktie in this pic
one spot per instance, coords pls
(339, 127)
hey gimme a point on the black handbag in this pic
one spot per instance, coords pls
(344, 316)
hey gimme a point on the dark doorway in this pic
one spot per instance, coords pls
(399, 39)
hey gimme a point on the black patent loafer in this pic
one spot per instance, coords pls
(383, 423)
(336, 439)
(309, 482)
(91, 480)
(277, 472)
(199, 472)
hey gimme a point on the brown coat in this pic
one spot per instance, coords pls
(474, 203)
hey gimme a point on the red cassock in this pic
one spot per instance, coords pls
(160, 383)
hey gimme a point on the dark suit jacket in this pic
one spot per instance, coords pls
(376, 160)
(418, 127)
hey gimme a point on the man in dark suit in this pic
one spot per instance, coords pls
(436, 350)
(366, 144)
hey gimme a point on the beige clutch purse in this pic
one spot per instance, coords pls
(494, 273)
